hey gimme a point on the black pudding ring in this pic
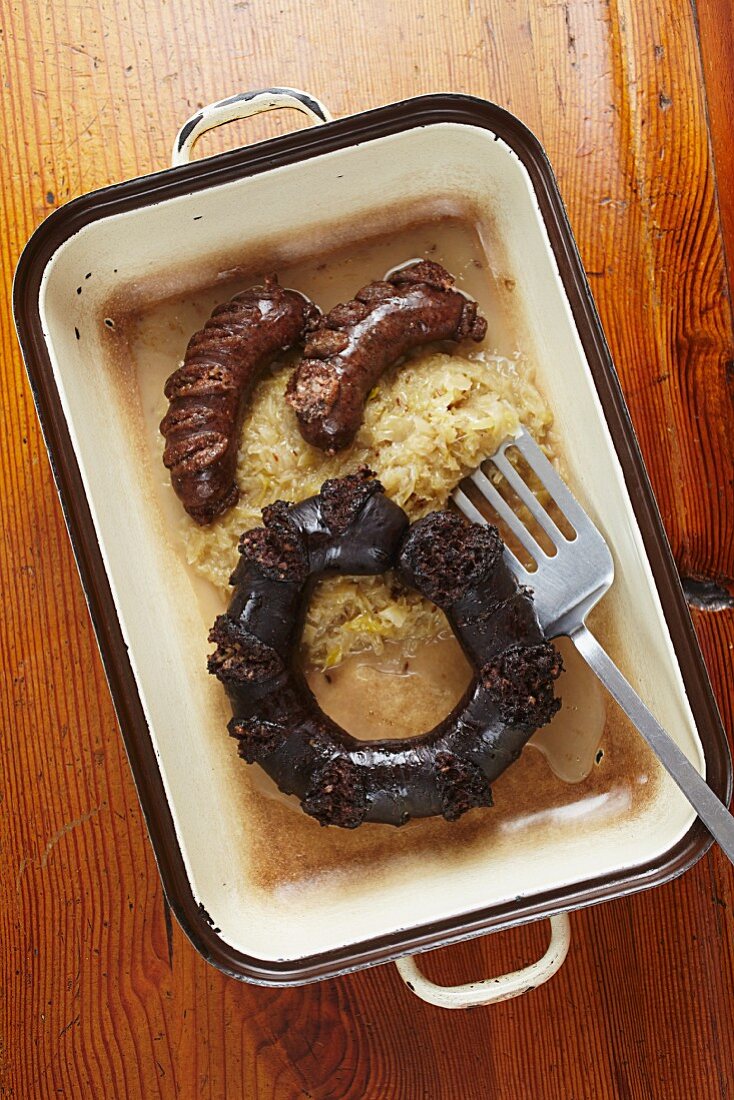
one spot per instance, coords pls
(352, 528)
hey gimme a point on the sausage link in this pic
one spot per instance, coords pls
(208, 394)
(354, 343)
(352, 528)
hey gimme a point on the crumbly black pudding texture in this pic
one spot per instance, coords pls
(521, 682)
(255, 738)
(444, 556)
(461, 784)
(337, 795)
(353, 528)
(240, 657)
(342, 498)
(277, 548)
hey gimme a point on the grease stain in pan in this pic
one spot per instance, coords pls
(288, 850)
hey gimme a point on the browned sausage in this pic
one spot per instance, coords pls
(208, 393)
(355, 342)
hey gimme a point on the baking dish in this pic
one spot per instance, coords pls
(443, 151)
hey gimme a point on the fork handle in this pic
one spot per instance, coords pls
(712, 812)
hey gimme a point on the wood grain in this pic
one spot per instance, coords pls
(101, 994)
(716, 34)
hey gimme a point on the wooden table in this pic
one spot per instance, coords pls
(102, 996)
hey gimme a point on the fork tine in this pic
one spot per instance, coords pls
(462, 502)
(503, 509)
(527, 496)
(560, 492)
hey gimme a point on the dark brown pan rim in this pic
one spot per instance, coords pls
(292, 148)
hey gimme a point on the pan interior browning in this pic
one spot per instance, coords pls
(118, 303)
(382, 662)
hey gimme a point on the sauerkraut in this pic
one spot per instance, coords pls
(430, 421)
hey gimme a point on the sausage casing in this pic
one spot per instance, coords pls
(356, 341)
(351, 527)
(208, 394)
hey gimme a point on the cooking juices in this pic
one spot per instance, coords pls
(586, 766)
(396, 695)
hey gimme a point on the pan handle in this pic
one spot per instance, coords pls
(243, 105)
(492, 990)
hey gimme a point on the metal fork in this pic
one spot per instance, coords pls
(566, 586)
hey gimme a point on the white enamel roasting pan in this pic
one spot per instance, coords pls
(323, 184)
